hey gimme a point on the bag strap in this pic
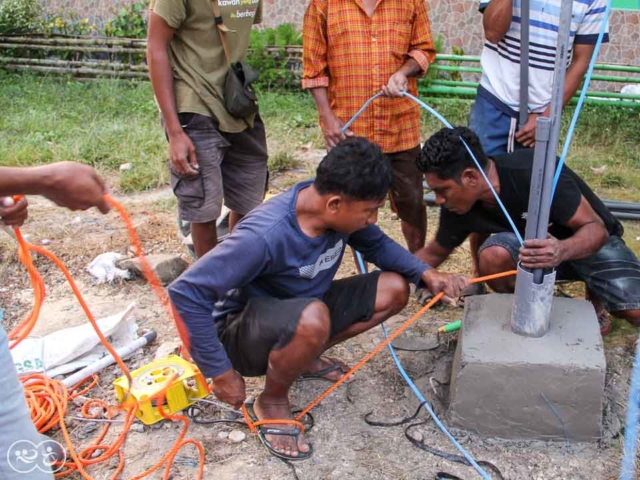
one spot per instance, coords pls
(222, 30)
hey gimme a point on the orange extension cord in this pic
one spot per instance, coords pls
(369, 356)
(48, 399)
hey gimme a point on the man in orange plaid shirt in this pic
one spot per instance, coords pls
(354, 49)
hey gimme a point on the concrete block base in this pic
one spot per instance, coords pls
(499, 378)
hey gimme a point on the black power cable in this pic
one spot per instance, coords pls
(434, 451)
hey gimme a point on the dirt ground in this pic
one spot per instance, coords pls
(345, 446)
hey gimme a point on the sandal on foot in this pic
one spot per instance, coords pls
(474, 289)
(321, 374)
(604, 321)
(263, 430)
(471, 291)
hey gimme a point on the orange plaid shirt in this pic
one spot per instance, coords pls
(353, 55)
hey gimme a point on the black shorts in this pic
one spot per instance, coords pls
(268, 323)
(612, 274)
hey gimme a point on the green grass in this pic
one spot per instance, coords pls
(604, 137)
(104, 124)
(109, 123)
(291, 120)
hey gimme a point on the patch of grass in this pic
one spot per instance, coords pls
(281, 161)
(456, 111)
(108, 123)
(104, 124)
(607, 137)
(291, 120)
(604, 137)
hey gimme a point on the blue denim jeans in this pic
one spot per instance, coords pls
(612, 274)
(494, 123)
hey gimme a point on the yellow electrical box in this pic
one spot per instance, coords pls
(187, 385)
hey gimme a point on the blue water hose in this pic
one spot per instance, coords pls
(362, 268)
(633, 410)
(429, 409)
(418, 394)
(628, 468)
(484, 175)
(436, 114)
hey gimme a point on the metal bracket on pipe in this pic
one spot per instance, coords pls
(531, 315)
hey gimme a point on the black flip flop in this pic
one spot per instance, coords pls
(263, 430)
(474, 289)
(320, 374)
(471, 291)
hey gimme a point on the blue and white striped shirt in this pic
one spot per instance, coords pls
(501, 61)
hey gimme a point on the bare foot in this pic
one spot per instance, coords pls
(322, 363)
(272, 408)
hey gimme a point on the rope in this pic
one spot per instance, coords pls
(48, 399)
(376, 350)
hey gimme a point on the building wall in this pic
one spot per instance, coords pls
(458, 21)
(97, 11)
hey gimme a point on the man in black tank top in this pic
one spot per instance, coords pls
(585, 239)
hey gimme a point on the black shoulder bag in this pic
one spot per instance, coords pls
(240, 100)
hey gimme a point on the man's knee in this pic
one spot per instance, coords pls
(315, 322)
(494, 259)
(393, 292)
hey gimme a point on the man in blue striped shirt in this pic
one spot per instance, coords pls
(494, 114)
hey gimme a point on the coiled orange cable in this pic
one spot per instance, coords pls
(48, 399)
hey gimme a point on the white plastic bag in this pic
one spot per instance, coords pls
(104, 269)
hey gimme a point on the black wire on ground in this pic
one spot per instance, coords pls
(419, 349)
(194, 412)
(448, 456)
(375, 423)
(446, 476)
(291, 467)
(434, 451)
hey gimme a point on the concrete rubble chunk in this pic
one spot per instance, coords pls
(137, 427)
(515, 387)
(167, 267)
(237, 436)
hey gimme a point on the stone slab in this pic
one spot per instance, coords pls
(167, 267)
(499, 378)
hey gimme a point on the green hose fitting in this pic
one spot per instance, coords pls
(450, 327)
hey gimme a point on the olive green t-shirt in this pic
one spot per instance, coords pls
(197, 57)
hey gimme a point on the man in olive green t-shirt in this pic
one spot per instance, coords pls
(213, 154)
